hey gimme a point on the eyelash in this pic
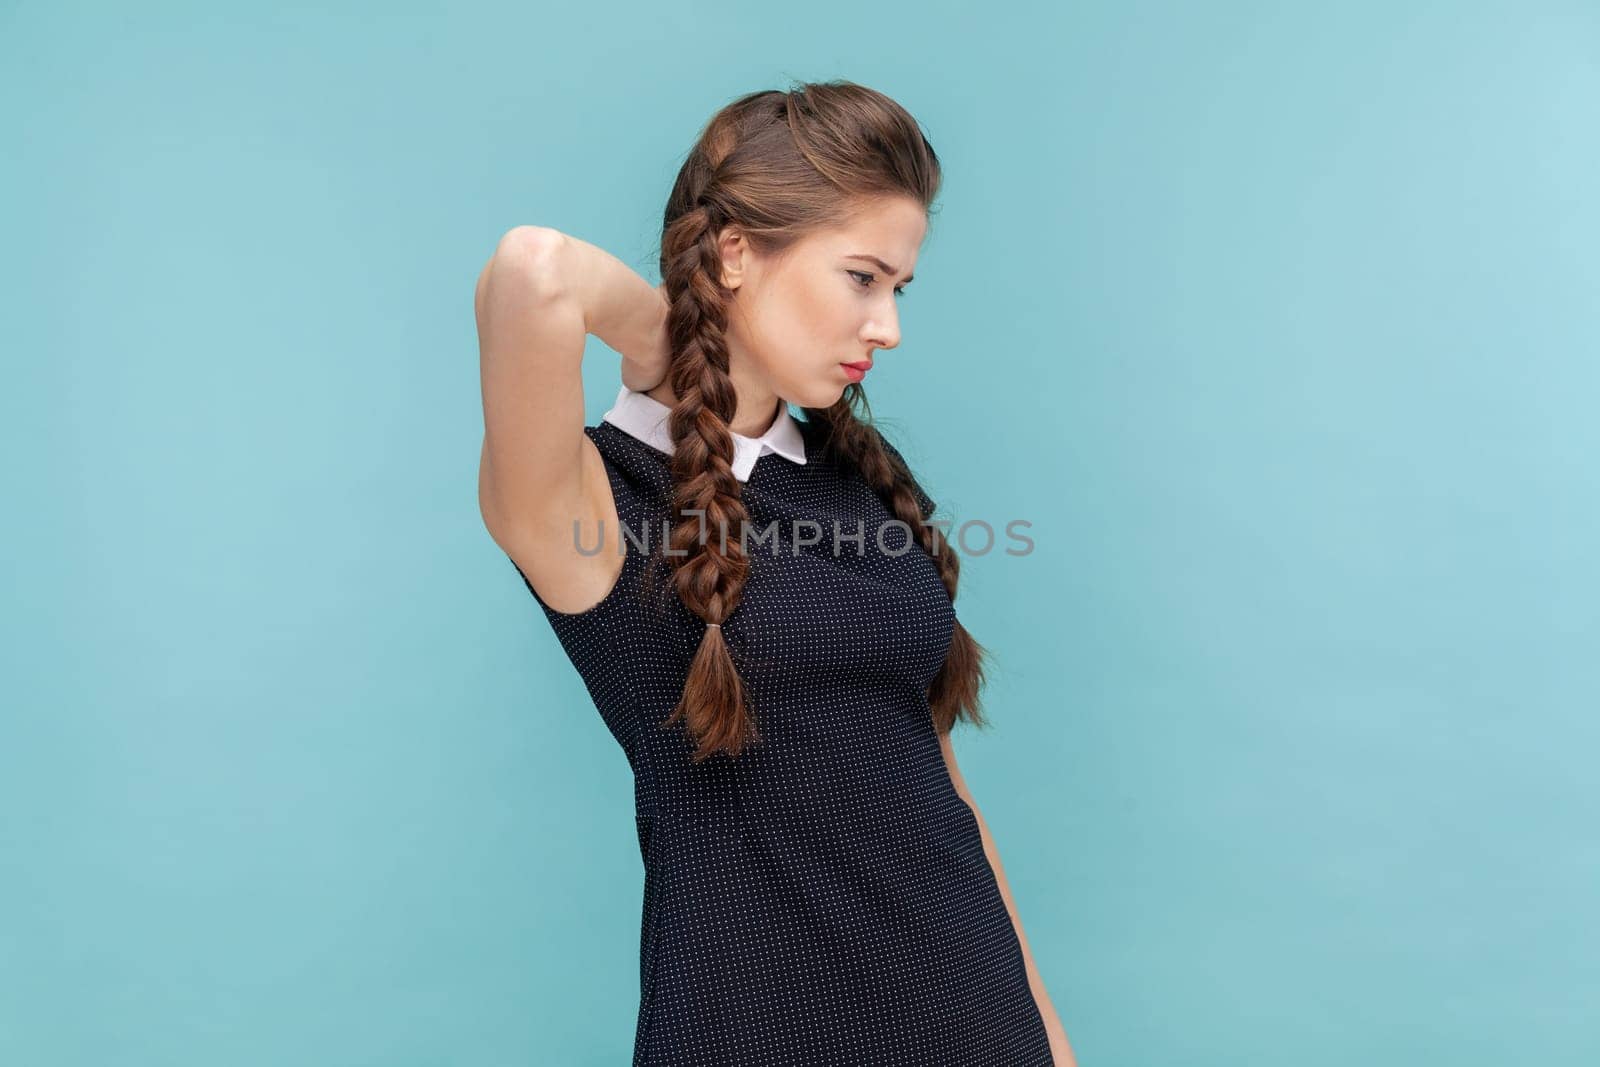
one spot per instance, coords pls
(869, 276)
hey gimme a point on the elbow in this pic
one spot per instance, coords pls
(528, 261)
(537, 251)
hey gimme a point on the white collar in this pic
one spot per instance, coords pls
(644, 417)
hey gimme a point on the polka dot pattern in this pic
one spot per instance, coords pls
(823, 898)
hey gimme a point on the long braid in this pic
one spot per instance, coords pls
(858, 444)
(710, 513)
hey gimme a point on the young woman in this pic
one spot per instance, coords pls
(759, 605)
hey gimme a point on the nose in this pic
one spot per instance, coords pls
(883, 329)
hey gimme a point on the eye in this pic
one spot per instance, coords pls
(869, 276)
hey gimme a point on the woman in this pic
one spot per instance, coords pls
(759, 605)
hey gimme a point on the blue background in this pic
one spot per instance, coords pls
(1278, 322)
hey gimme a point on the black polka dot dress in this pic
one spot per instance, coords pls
(823, 898)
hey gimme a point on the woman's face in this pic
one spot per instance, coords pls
(829, 300)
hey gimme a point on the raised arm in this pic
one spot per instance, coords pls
(537, 299)
(530, 350)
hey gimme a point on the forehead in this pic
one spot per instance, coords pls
(891, 229)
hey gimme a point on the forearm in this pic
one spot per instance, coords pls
(1060, 1049)
(619, 306)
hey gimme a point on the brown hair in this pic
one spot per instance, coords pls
(778, 165)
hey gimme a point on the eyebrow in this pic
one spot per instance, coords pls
(881, 265)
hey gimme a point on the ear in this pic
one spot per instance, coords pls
(735, 251)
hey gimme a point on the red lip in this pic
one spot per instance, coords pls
(864, 366)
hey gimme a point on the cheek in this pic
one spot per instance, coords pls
(797, 330)
(795, 337)
(817, 318)
(826, 306)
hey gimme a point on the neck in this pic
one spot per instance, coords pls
(756, 410)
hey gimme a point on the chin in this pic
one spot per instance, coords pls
(824, 396)
(808, 394)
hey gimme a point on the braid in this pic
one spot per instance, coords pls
(712, 567)
(857, 444)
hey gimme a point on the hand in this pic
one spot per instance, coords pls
(645, 368)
